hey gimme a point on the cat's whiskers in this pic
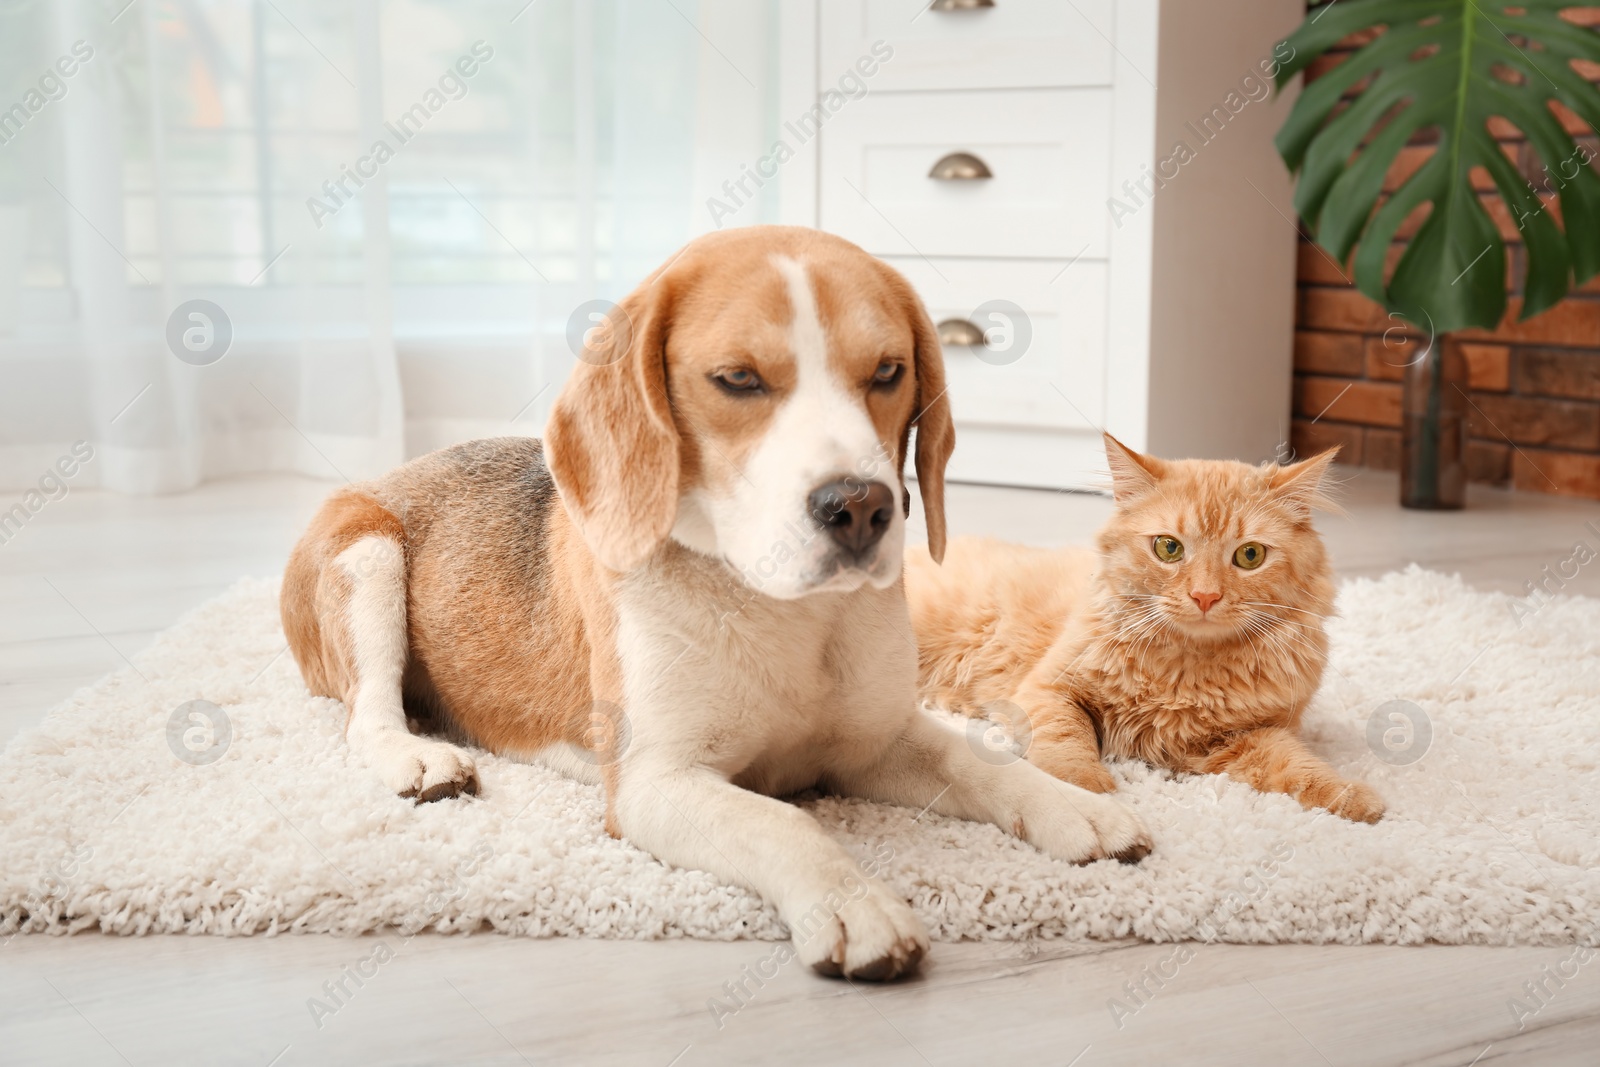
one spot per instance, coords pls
(1289, 647)
(1109, 614)
(1285, 607)
(1119, 605)
(1146, 602)
(1145, 621)
(1286, 651)
(1257, 621)
(1136, 598)
(1160, 627)
(1253, 609)
(1245, 629)
(1145, 636)
(1120, 613)
(1286, 634)
(1254, 625)
(1132, 631)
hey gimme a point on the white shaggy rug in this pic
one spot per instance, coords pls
(1491, 836)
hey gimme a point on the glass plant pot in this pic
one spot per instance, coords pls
(1433, 435)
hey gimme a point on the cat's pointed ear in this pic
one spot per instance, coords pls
(1131, 474)
(1306, 485)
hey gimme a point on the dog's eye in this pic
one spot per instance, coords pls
(888, 372)
(738, 380)
(1168, 549)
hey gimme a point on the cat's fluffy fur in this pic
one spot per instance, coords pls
(1111, 653)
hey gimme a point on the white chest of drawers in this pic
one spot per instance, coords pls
(996, 157)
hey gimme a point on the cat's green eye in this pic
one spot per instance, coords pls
(1168, 548)
(1249, 555)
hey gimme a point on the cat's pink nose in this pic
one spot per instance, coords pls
(1205, 600)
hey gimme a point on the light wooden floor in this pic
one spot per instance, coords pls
(94, 576)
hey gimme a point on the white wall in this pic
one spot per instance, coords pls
(1222, 322)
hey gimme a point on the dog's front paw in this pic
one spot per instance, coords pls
(423, 768)
(1080, 827)
(874, 937)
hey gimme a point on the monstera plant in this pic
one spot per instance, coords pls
(1445, 68)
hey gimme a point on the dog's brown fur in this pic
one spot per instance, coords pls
(468, 614)
(515, 663)
(680, 560)
(320, 644)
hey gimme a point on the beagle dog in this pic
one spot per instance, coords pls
(691, 592)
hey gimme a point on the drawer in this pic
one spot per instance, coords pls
(1015, 44)
(1049, 151)
(1057, 381)
(1037, 459)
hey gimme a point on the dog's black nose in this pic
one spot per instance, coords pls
(855, 513)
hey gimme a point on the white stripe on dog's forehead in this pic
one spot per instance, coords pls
(806, 335)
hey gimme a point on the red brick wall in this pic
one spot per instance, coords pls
(1535, 385)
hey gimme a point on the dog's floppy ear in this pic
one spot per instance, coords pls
(936, 434)
(611, 442)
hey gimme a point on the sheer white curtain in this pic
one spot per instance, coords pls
(381, 302)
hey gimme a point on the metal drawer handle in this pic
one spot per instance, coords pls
(960, 167)
(960, 5)
(961, 332)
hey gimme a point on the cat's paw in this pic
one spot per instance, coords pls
(1071, 761)
(1085, 774)
(1358, 803)
(1355, 801)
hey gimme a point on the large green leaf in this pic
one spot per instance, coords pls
(1448, 66)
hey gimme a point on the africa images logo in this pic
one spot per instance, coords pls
(452, 86)
(52, 87)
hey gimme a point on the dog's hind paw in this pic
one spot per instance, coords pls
(424, 769)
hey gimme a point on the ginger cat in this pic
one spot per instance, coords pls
(1193, 639)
